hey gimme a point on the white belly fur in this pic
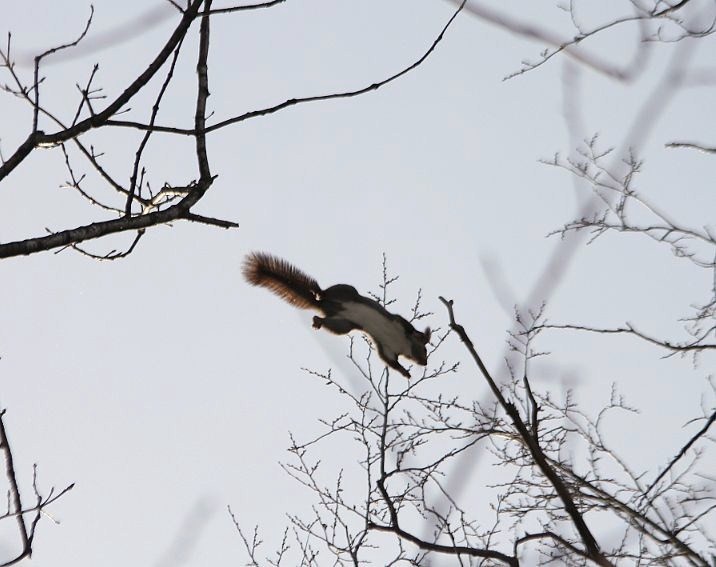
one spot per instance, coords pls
(388, 332)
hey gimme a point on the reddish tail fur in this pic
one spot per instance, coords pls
(283, 279)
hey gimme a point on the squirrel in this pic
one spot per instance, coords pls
(343, 309)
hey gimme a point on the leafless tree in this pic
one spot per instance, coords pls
(135, 205)
(407, 435)
(561, 477)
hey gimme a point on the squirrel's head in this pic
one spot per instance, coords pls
(418, 346)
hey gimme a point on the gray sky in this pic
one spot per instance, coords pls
(165, 387)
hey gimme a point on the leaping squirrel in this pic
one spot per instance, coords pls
(343, 308)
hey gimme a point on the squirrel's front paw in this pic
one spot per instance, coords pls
(317, 322)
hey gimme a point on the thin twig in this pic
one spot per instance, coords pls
(293, 101)
(700, 433)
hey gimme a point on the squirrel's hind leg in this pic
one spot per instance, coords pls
(391, 359)
(395, 365)
(336, 325)
(341, 326)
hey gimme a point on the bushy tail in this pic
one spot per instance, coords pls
(282, 278)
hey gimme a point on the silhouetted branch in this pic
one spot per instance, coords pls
(36, 83)
(15, 506)
(294, 101)
(112, 254)
(38, 138)
(700, 433)
(447, 549)
(133, 188)
(693, 146)
(696, 345)
(592, 547)
(246, 7)
(155, 209)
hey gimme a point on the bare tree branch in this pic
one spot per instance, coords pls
(15, 506)
(592, 547)
(693, 146)
(294, 101)
(38, 138)
(245, 7)
(700, 433)
(696, 345)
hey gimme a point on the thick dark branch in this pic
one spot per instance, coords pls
(150, 217)
(592, 547)
(533, 407)
(292, 101)
(450, 549)
(14, 493)
(658, 532)
(104, 228)
(202, 71)
(211, 221)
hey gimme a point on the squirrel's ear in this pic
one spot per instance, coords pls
(426, 335)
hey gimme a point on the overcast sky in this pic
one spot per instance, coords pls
(165, 387)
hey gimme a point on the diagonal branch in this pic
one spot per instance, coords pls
(700, 433)
(592, 547)
(39, 138)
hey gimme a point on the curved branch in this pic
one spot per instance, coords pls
(293, 101)
(451, 549)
